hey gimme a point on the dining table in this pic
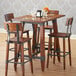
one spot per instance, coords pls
(35, 21)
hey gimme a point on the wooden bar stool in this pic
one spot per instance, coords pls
(9, 18)
(63, 53)
(47, 26)
(16, 28)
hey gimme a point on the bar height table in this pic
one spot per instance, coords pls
(41, 21)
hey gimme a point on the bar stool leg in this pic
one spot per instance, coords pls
(49, 46)
(69, 46)
(64, 53)
(51, 42)
(38, 35)
(29, 52)
(54, 50)
(7, 56)
(15, 65)
(42, 47)
(22, 59)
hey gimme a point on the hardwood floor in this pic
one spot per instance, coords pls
(53, 70)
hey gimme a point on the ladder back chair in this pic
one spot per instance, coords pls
(16, 28)
(62, 35)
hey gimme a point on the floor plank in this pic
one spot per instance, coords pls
(53, 70)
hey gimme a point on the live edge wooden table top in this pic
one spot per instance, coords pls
(41, 21)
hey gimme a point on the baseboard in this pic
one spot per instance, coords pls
(4, 31)
(73, 36)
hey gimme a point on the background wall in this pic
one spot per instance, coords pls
(23, 7)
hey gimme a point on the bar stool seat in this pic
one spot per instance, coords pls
(21, 40)
(60, 35)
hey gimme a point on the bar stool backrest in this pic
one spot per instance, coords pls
(69, 22)
(13, 28)
(53, 12)
(9, 17)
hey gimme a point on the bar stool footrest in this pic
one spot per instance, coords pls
(26, 49)
(12, 60)
(42, 58)
(12, 49)
(61, 52)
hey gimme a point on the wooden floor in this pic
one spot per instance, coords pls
(53, 70)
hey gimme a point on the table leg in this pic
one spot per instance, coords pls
(57, 40)
(34, 37)
(42, 47)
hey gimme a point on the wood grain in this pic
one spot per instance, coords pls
(53, 70)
